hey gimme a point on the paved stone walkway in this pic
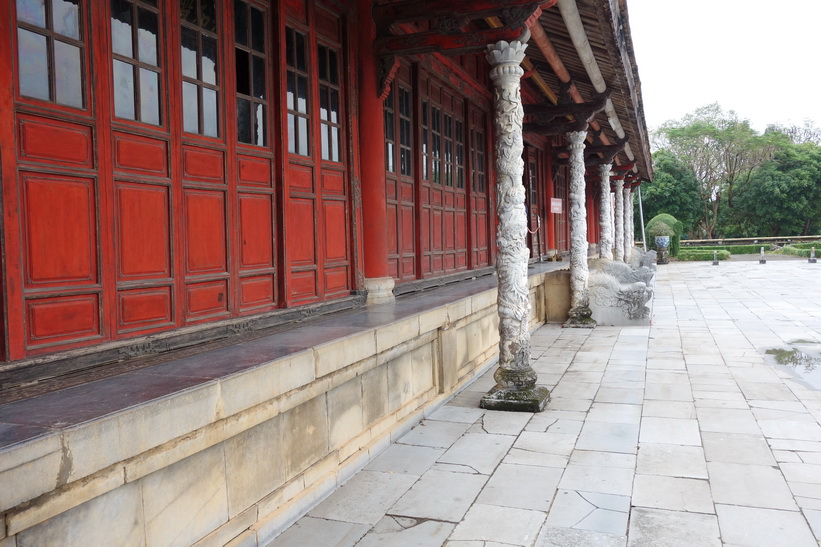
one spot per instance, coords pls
(679, 434)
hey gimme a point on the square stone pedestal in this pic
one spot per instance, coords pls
(532, 399)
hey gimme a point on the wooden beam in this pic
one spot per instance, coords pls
(421, 10)
(625, 167)
(548, 111)
(448, 44)
(589, 161)
(551, 129)
(596, 155)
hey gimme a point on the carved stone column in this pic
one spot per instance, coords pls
(580, 314)
(628, 225)
(605, 217)
(515, 379)
(618, 222)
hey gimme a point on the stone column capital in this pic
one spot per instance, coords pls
(506, 53)
(604, 170)
(576, 138)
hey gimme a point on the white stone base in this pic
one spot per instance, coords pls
(380, 290)
(237, 459)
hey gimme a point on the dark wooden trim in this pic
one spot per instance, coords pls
(72, 362)
(425, 284)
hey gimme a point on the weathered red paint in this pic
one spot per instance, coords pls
(372, 140)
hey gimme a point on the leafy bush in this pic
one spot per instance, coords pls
(689, 254)
(662, 225)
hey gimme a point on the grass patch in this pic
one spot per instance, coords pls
(703, 254)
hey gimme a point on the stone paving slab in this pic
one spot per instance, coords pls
(678, 434)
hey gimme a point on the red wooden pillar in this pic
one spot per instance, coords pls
(550, 193)
(592, 217)
(372, 153)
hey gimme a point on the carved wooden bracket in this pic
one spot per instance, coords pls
(551, 129)
(388, 66)
(450, 29)
(581, 111)
(594, 155)
(577, 115)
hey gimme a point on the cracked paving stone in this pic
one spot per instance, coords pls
(407, 532)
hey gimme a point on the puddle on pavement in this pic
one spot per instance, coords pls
(803, 363)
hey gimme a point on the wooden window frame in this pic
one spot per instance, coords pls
(326, 85)
(52, 36)
(198, 81)
(266, 59)
(291, 68)
(137, 64)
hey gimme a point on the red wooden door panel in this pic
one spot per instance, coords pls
(143, 231)
(317, 223)
(256, 214)
(60, 230)
(399, 178)
(479, 202)
(204, 232)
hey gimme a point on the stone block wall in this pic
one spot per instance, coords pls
(236, 460)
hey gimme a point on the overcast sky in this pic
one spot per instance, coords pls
(759, 58)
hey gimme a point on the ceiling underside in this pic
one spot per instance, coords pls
(606, 27)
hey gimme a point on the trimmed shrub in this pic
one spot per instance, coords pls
(662, 225)
(689, 254)
(733, 249)
(809, 245)
(795, 251)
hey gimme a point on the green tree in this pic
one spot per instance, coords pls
(721, 150)
(674, 190)
(783, 196)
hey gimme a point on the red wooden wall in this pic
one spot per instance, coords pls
(142, 165)
(438, 177)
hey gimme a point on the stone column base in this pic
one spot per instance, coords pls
(580, 318)
(380, 290)
(531, 399)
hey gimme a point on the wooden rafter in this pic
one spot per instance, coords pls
(450, 31)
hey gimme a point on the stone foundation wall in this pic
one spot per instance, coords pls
(236, 460)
